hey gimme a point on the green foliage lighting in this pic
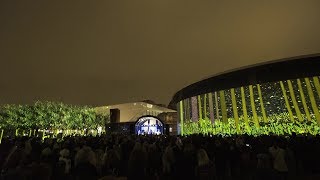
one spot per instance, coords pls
(277, 125)
(280, 108)
(53, 116)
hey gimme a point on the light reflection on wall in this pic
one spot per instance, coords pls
(298, 99)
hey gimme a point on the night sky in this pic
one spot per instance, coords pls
(114, 51)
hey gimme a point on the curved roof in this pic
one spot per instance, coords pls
(283, 69)
(130, 112)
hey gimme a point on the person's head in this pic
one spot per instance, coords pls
(85, 155)
(137, 154)
(202, 157)
(41, 171)
(46, 154)
(112, 159)
(263, 161)
(276, 143)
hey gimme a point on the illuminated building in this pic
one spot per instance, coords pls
(278, 97)
(128, 115)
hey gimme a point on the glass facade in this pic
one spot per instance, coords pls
(282, 107)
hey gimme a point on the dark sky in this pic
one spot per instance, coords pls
(100, 52)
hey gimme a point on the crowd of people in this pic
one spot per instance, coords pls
(119, 156)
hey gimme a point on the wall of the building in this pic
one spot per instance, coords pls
(295, 100)
(170, 119)
(130, 112)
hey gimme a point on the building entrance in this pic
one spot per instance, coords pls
(149, 125)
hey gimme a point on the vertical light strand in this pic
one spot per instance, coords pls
(286, 101)
(217, 104)
(303, 99)
(194, 106)
(263, 110)
(223, 106)
(1, 135)
(313, 102)
(185, 110)
(205, 106)
(235, 109)
(188, 109)
(181, 117)
(211, 108)
(200, 108)
(253, 107)
(244, 108)
(294, 100)
(317, 84)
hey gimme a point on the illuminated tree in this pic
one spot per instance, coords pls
(47, 115)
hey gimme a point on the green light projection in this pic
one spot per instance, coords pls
(279, 108)
(294, 101)
(181, 118)
(223, 106)
(261, 104)
(253, 107)
(244, 108)
(317, 84)
(312, 99)
(235, 109)
(286, 101)
(304, 103)
(211, 112)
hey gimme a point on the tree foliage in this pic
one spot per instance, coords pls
(50, 115)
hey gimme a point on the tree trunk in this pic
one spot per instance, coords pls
(223, 107)
(244, 108)
(181, 117)
(317, 84)
(313, 101)
(217, 104)
(286, 101)
(303, 99)
(211, 108)
(235, 110)
(253, 107)
(205, 106)
(1, 135)
(200, 108)
(263, 110)
(294, 101)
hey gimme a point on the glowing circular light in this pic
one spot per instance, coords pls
(149, 125)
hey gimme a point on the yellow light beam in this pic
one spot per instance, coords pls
(303, 99)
